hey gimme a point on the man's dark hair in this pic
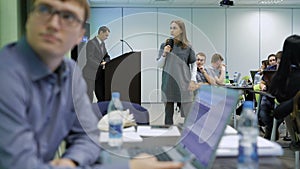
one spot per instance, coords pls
(103, 29)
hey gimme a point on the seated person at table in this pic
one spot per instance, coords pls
(267, 104)
(278, 58)
(286, 82)
(217, 69)
(272, 65)
(39, 106)
(259, 73)
(258, 83)
(202, 76)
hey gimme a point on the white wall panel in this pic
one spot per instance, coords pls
(209, 31)
(242, 41)
(296, 21)
(276, 25)
(140, 31)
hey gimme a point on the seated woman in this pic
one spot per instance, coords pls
(286, 82)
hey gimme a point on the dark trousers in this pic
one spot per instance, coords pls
(90, 88)
(266, 115)
(169, 111)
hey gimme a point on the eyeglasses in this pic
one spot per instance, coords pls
(67, 18)
(200, 60)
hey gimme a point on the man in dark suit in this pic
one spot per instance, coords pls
(96, 56)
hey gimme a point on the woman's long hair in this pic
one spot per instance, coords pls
(290, 59)
(182, 40)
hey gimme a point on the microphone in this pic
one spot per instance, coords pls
(170, 42)
(126, 44)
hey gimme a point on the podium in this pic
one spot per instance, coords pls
(123, 74)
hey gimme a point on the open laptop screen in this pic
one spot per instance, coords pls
(206, 122)
(252, 73)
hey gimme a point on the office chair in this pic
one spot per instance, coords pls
(296, 118)
(292, 123)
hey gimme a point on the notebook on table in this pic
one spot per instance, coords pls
(202, 131)
(228, 147)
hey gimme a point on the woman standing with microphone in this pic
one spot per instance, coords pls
(177, 59)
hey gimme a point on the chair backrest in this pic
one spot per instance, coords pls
(295, 113)
(140, 114)
(252, 73)
(296, 106)
(293, 119)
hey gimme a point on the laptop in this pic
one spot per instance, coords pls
(202, 130)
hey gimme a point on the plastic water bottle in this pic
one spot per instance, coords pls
(227, 81)
(256, 78)
(248, 133)
(282, 129)
(115, 121)
(235, 76)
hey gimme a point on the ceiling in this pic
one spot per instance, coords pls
(193, 3)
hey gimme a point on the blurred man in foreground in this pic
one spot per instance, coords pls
(39, 106)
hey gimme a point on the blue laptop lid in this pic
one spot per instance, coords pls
(206, 122)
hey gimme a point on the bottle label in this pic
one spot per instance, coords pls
(115, 129)
(248, 156)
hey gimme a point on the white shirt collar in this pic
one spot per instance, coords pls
(100, 42)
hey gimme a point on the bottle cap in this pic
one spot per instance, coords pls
(115, 95)
(248, 104)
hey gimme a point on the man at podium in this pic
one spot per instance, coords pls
(96, 58)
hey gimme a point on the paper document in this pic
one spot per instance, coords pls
(156, 131)
(229, 146)
(128, 136)
(230, 130)
(232, 141)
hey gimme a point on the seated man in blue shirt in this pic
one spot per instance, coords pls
(43, 96)
(217, 69)
(267, 103)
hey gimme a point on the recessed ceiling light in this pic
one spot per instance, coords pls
(270, 1)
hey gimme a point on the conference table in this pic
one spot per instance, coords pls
(244, 90)
(249, 89)
(219, 163)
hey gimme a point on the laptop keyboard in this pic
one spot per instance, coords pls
(158, 152)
